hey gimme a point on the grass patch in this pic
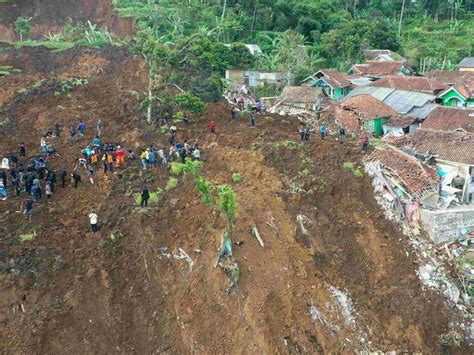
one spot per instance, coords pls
(287, 144)
(348, 165)
(237, 178)
(27, 237)
(154, 197)
(171, 183)
(189, 167)
(56, 46)
(357, 173)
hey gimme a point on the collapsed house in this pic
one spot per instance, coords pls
(399, 125)
(240, 94)
(298, 100)
(444, 200)
(359, 113)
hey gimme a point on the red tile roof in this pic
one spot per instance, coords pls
(400, 121)
(451, 77)
(334, 78)
(351, 112)
(447, 145)
(445, 118)
(375, 68)
(410, 83)
(405, 168)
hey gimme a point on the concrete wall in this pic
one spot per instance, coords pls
(446, 226)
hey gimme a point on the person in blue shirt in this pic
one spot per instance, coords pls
(96, 142)
(323, 130)
(81, 128)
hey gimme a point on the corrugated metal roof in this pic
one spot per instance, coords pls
(361, 81)
(378, 93)
(424, 111)
(404, 102)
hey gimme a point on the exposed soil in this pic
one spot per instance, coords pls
(49, 16)
(68, 290)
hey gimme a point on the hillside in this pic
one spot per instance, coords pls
(333, 276)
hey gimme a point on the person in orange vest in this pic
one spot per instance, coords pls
(120, 156)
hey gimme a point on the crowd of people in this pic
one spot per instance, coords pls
(32, 178)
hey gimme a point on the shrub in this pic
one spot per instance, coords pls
(237, 178)
(154, 197)
(227, 202)
(189, 102)
(192, 166)
(357, 173)
(348, 165)
(177, 168)
(204, 187)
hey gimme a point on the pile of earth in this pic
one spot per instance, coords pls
(49, 16)
(333, 275)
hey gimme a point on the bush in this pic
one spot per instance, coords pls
(357, 173)
(348, 165)
(227, 202)
(204, 187)
(189, 102)
(177, 168)
(237, 178)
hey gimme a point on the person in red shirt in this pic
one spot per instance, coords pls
(212, 127)
(365, 142)
(120, 156)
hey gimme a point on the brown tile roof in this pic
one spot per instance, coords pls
(451, 77)
(351, 112)
(445, 118)
(410, 83)
(415, 176)
(334, 78)
(401, 121)
(378, 68)
(447, 145)
(372, 54)
(304, 94)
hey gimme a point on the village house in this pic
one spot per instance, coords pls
(252, 78)
(359, 113)
(378, 69)
(254, 49)
(411, 103)
(451, 153)
(399, 125)
(467, 64)
(460, 95)
(427, 176)
(383, 55)
(410, 83)
(335, 84)
(449, 119)
(298, 100)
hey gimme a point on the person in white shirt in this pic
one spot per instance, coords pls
(196, 154)
(93, 217)
(5, 163)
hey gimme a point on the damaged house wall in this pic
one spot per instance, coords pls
(447, 226)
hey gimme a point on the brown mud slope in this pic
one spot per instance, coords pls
(333, 277)
(49, 16)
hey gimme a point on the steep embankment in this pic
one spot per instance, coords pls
(333, 276)
(49, 16)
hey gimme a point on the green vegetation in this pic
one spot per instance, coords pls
(171, 183)
(155, 197)
(22, 27)
(189, 167)
(227, 203)
(204, 187)
(237, 178)
(189, 102)
(355, 171)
